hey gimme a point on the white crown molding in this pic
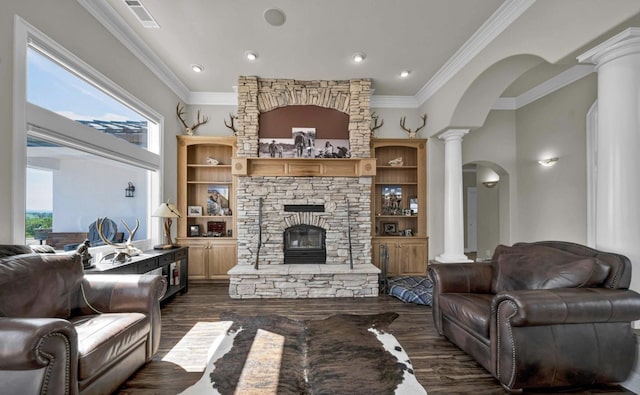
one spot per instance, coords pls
(553, 84)
(505, 103)
(127, 36)
(592, 55)
(504, 16)
(549, 86)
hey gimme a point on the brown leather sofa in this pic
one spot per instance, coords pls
(541, 315)
(52, 341)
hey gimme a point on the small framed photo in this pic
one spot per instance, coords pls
(194, 211)
(216, 228)
(194, 230)
(390, 228)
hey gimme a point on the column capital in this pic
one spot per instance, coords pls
(453, 134)
(622, 44)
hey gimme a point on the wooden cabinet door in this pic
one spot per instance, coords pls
(222, 257)
(377, 259)
(411, 257)
(198, 255)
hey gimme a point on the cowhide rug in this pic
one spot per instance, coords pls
(342, 354)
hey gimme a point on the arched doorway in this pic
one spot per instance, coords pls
(485, 207)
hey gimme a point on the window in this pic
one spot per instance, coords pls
(84, 141)
(52, 86)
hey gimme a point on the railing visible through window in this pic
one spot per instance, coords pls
(62, 91)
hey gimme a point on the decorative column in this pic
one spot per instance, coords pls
(453, 213)
(617, 225)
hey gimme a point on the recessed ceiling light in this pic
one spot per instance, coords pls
(404, 73)
(251, 55)
(197, 68)
(275, 17)
(359, 57)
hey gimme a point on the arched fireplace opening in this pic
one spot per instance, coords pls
(304, 243)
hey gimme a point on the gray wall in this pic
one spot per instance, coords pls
(552, 201)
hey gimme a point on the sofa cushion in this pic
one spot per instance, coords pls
(540, 267)
(468, 310)
(105, 338)
(36, 286)
(13, 249)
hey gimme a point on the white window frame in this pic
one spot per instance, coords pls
(28, 117)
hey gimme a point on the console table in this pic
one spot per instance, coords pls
(173, 264)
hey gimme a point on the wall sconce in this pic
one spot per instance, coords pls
(548, 162)
(129, 190)
(490, 184)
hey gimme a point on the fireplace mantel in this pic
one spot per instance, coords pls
(301, 167)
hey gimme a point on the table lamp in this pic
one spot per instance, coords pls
(167, 211)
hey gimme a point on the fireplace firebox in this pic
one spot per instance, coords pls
(304, 244)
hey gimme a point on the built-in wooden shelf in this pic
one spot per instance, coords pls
(301, 167)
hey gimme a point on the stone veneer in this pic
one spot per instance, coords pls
(273, 278)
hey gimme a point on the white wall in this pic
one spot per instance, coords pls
(86, 38)
(552, 201)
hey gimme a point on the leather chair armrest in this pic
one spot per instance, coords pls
(567, 306)
(123, 293)
(461, 277)
(458, 278)
(25, 342)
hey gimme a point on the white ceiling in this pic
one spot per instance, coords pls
(428, 37)
(317, 40)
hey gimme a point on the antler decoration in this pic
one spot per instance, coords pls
(413, 133)
(190, 130)
(126, 248)
(232, 126)
(375, 126)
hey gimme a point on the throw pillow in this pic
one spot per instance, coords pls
(540, 267)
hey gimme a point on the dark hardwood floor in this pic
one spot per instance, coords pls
(439, 366)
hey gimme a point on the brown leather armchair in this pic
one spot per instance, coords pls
(541, 315)
(64, 332)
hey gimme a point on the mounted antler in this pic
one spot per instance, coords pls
(128, 247)
(187, 129)
(413, 133)
(232, 126)
(375, 126)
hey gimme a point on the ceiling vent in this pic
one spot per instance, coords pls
(142, 14)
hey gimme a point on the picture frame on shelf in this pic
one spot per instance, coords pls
(391, 200)
(217, 199)
(194, 211)
(390, 228)
(413, 205)
(216, 228)
(194, 230)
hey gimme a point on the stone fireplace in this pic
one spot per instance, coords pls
(268, 188)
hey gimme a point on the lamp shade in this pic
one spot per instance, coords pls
(166, 210)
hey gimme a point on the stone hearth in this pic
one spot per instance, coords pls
(274, 279)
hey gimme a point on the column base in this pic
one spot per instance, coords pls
(444, 258)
